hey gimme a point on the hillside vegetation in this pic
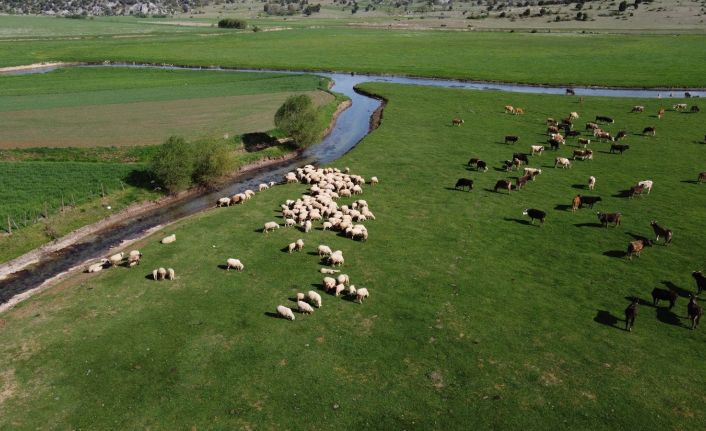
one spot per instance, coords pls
(476, 319)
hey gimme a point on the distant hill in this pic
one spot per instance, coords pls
(77, 8)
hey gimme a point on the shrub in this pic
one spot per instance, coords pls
(173, 164)
(232, 23)
(297, 118)
(212, 160)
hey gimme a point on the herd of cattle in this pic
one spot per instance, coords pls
(558, 132)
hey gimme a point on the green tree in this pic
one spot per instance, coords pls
(622, 6)
(297, 118)
(173, 164)
(213, 159)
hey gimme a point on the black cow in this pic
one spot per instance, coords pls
(481, 166)
(570, 92)
(503, 185)
(687, 95)
(464, 182)
(614, 148)
(604, 119)
(590, 200)
(649, 130)
(473, 161)
(554, 144)
(700, 281)
(695, 109)
(621, 134)
(511, 139)
(695, 312)
(606, 218)
(521, 156)
(631, 314)
(661, 231)
(664, 294)
(535, 214)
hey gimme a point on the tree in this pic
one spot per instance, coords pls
(297, 118)
(212, 160)
(622, 6)
(173, 164)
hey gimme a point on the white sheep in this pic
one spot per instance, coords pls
(327, 225)
(270, 225)
(133, 258)
(339, 288)
(170, 274)
(285, 312)
(336, 258)
(307, 226)
(272, 184)
(248, 194)
(314, 298)
(262, 187)
(351, 290)
(304, 307)
(169, 239)
(328, 271)
(343, 279)
(116, 258)
(324, 250)
(291, 247)
(647, 184)
(96, 267)
(234, 263)
(223, 202)
(291, 177)
(373, 181)
(329, 283)
(361, 294)
(300, 244)
(591, 182)
(300, 296)
(289, 222)
(155, 274)
(161, 274)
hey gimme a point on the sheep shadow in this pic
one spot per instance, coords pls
(223, 267)
(149, 277)
(271, 314)
(285, 250)
(562, 207)
(614, 253)
(590, 224)
(604, 317)
(312, 253)
(664, 315)
(318, 286)
(680, 291)
(518, 220)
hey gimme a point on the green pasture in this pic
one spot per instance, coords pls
(550, 58)
(476, 320)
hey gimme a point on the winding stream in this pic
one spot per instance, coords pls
(351, 127)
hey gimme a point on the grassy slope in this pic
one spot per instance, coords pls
(635, 60)
(476, 319)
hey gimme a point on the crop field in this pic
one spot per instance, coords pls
(551, 58)
(89, 107)
(477, 319)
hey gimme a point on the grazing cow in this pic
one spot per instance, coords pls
(532, 172)
(591, 182)
(563, 162)
(695, 109)
(604, 119)
(687, 94)
(457, 122)
(554, 144)
(464, 182)
(636, 247)
(575, 203)
(551, 122)
(574, 115)
(638, 108)
(700, 281)
(584, 142)
(649, 130)
(583, 154)
(557, 137)
(702, 177)
(507, 165)
(521, 156)
(665, 295)
(552, 130)
(537, 149)
(680, 107)
(603, 135)
(509, 109)
(606, 218)
(566, 122)
(511, 139)
(516, 163)
(590, 200)
(621, 135)
(481, 166)
(519, 111)
(660, 113)
(503, 185)
(573, 133)
(472, 162)
(631, 314)
(614, 148)
(647, 184)
(636, 190)
(570, 92)
(695, 311)
(661, 231)
(521, 181)
(591, 126)
(535, 214)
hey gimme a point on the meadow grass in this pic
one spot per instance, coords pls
(549, 58)
(476, 320)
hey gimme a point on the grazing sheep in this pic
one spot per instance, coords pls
(307, 226)
(161, 274)
(234, 263)
(361, 294)
(591, 182)
(351, 291)
(290, 222)
(535, 214)
(457, 122)
(647, 184)
(574, 115)
(299, 244)
(327, 225)
(116, 258)
(336, 258)
(262, 187)
(96, 267)
(343, 279)
(695, 311)
(314, 298)
(537, 149)
(606, 218)
(223, 202)
(285, 312)
(663, 294)
(503, 185)
(373, 181)
(339, 288)
(300, 296)
(533, 172)
(155, 275)
(270, 225)
(304, 307)
(700, 281)
(291, 177)
(329, 271)
(170, 274)
(133, 258)
(329, 283)
(169, 239)
(324, 250)
(631, 314)
(291, 247)
(638, 108)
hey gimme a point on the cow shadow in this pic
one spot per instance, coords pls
(639, 300)
(690, 181)
(614, 253)
(637, 237)
(622, 194)
(589, 224)
(664, 315)
(454, 189)
(562, 207)
(496, 169)
(680, 291)
(518, 220)
(604, 317)
(580, 186)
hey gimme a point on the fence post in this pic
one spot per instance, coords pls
(9, 227)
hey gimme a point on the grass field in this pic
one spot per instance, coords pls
(89, 107)
(601, 59)
(476, 320)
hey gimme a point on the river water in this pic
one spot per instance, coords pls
(351, 127)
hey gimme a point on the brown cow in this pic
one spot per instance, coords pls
(504, 185)
(457, 122)
(695, 312)
(576, 203)
(636, 190)
(606, 218)
(660, 113)
(509, 109)
(552, 129)
(702, 177)
(522, 181)
(631, 314)
(583, 154)
(636, 247)
(650, 130)
(519, 111)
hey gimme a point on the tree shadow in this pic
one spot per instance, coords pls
(562, 207)
(665, 315)
(257, 141)
(680, 291)
(604, 317)
(614, 253)
(141, 178)
(590, 224)
(518, 220)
